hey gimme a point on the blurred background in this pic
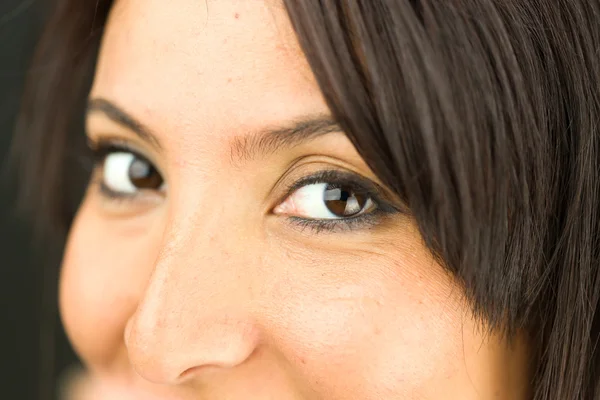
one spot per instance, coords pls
(33, 348)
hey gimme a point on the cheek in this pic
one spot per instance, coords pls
(373, 325)
(103, 276)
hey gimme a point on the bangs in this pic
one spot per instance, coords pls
(481, 116)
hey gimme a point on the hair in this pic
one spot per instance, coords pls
(482, 115)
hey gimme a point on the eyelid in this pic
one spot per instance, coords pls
(364, 221)
(103, 147)
(335, 176)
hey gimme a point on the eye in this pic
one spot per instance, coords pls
(327, 201)
(124, 172)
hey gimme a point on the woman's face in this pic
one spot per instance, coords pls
(234, 245)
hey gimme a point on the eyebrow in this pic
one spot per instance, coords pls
(242, 148)
(121, 117)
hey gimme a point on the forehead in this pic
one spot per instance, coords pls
(206, 66)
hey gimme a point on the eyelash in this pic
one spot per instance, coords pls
(99, 151)
(360, 185)
(102, 149)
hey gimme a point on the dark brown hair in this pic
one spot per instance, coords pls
(483, 115)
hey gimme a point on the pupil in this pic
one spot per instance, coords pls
(143, 175)
(343, 202)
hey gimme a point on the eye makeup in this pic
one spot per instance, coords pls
(383, 204)
(138, 166)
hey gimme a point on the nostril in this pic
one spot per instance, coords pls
(222, 362)
(149, 354)
(224, 345)
(170, 352)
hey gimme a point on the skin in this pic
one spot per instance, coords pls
(207, 289)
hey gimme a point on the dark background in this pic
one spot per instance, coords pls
(33, 349)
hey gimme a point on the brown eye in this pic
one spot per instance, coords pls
(126, 173)
(343, 202)
(143, 175)
(321, 201)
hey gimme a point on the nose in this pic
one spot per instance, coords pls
(195, 314)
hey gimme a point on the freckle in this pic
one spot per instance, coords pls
(237, 15)
(228, 80)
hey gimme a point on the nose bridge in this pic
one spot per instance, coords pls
(195, 311)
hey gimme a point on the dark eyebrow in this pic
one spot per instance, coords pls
(243, 148)
(272, 140)
(121, 117)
